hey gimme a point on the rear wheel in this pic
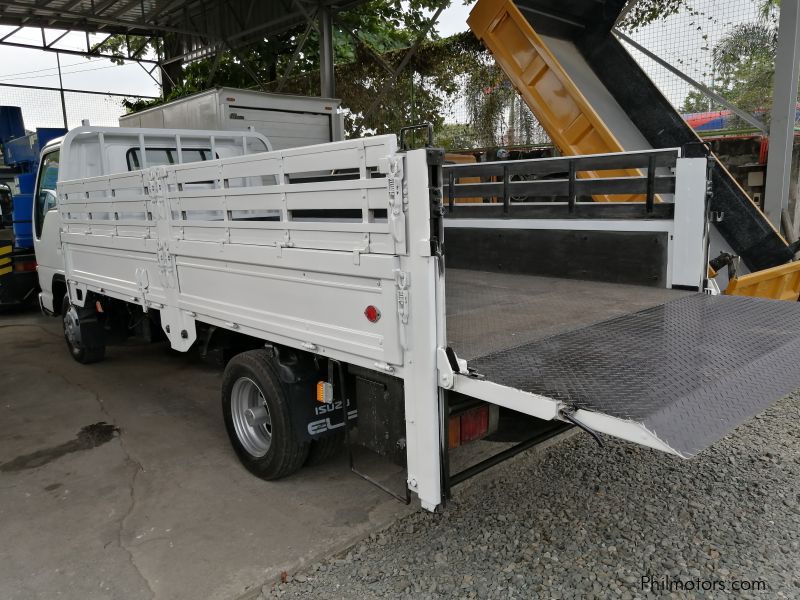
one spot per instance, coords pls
(257, 418)
(82, 333)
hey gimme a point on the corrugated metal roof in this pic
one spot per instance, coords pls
(211, 21)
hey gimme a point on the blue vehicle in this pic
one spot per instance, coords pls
(20, 150)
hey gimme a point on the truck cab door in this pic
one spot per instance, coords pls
(47, 229)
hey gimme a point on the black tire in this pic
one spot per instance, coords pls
(250, 380)
(82, 332)
(325, 448)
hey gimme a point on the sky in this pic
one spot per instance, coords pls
(34, 67)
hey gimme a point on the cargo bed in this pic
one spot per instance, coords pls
(490, 312)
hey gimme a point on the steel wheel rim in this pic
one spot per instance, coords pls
(72, 327)
(247, 406)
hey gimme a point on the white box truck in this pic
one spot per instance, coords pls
(323, 272)
(287, 121)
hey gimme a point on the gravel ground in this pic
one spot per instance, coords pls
(574, 521)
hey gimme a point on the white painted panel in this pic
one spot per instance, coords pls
(312, 307)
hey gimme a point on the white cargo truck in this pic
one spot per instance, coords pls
(288, 121)
(321, 272)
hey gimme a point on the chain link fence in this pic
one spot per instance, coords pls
(43, 107)
(728, 47)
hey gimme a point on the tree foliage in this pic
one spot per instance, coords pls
(498, 114)
(646, 12)
(369, 45)
(744, 65)
(744, 62)
(369, 42)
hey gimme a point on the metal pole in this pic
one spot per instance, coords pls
(327, 76)
(61, 90)
(784, 110)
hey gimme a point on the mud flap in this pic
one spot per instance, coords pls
(311, 420)
(676, 377)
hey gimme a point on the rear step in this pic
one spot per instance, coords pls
(676, 377)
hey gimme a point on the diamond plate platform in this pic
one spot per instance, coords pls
(688, 370)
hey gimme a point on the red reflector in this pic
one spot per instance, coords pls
(24, 267)
(372, 313)
(474, 423)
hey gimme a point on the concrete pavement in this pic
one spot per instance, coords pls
(158, 507)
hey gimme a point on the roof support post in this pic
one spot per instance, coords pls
(784, 111)
(327, 76)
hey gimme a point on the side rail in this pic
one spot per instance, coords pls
(290, 246)
(337, 196)
(515, 188)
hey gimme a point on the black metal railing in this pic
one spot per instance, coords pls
(550, 187)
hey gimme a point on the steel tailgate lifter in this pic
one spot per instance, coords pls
(676, 377)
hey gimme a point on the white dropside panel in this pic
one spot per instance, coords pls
(290, 246)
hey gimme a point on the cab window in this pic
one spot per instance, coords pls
(46, 189)
(165, 156)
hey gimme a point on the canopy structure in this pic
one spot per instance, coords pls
(191, 29)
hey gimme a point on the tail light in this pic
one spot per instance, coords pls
(470, 425)
(24, 266)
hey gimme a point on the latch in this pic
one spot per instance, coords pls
(163, 256)
(166, 263)
(286, 243)
(363, 249)
(402, 281)
(397, 198)
(142, 283)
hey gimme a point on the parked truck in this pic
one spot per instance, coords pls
(288, 121)
(20, 152)
(326, 276)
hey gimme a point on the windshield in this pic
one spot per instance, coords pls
(46, 189)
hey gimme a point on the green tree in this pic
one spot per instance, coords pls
(744, 61)
(744, 65)
(369, 43)
(382, 25)
(696, 102)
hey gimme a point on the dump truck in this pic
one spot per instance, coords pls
(571, 66)
(326, 276)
